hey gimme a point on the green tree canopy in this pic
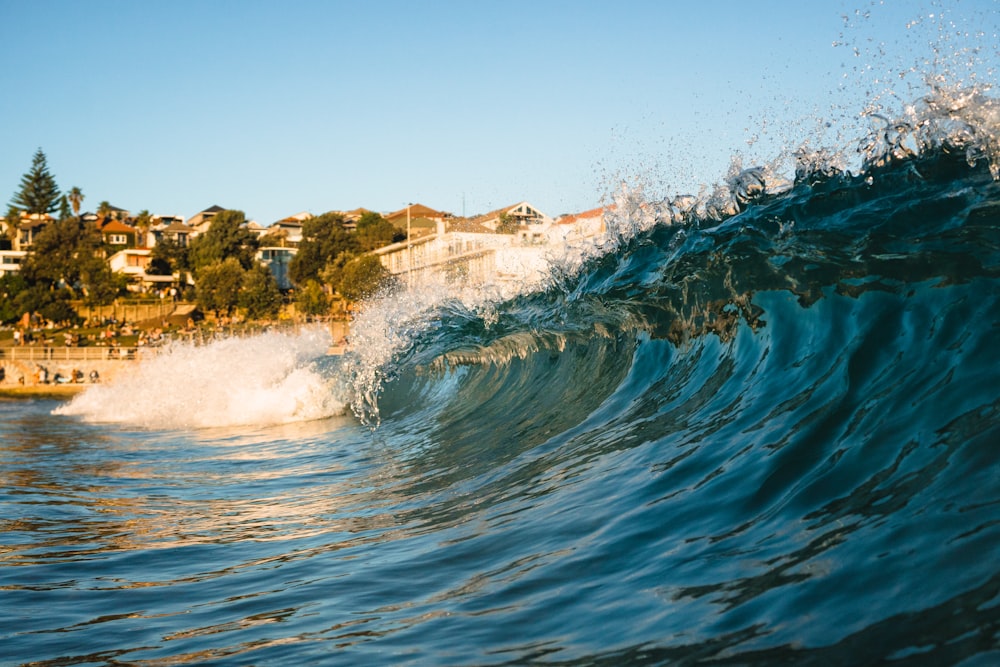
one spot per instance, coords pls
(260, 295)
(11, 284)
(374, 231)
(363, 277)
(323, 239)
(311, 300)
(143, 221)
(64, 208)
(52, 304)
(508, 224)
(39, 193)
(99, 284)
(11, 222)
(166, 257)
(218, 287)
(227, 237)
(61, 253)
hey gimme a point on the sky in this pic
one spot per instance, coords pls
(274, 108)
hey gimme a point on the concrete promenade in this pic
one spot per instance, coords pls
(22, 373)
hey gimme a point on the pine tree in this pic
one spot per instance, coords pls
(39, 192)
(65, 212)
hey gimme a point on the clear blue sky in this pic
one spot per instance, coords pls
(280, 107)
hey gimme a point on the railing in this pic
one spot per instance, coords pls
(33, 353)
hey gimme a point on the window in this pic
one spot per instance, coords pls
(117, 239)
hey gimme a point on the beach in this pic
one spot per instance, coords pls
(49, 391)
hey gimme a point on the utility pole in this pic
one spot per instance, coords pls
(409, 250)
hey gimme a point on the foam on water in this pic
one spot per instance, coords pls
(272, 378)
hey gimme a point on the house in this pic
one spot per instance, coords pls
(472, 253)
(10, 261)
(5, 237)
(117, 234)
(588, 224)
(255, 228)
(201, 221)
(290, 228)
(521, 214)
(355, 214)
(418, 220)
(165, 220)
(29, 228)
(277, 260)
(113, 212)
(133, 262)
(469, 251)
(352, 217)
(176, 232)
(467, 257)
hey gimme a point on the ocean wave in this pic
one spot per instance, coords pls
(272, 378)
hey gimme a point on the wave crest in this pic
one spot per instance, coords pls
(269, 379)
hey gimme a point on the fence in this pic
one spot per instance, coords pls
(56, 354)
(131, 310)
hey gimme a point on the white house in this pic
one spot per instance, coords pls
(472, 253)
(10, 261)
(177, 232)
(290, 228)
(277, 260)
(133, 263)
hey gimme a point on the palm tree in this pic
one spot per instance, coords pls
(104, 209)
(143, 222)
(75, 199)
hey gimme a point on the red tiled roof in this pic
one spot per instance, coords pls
(592, 213)
(416, 211)
(115, 227)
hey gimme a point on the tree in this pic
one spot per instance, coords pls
(52, 304)
(143, 222)
(39, 193)
(11, 284)
(65, 212)
(312, 300)
(99, 284)
(227, 237)
(76, 198)
(166, 257)
(274, 239)
(66, 260)
(61, 253)
(105, 209)
(12, 221)
(508, 224)
(363, 278)
(219, 284)
(374, 231)
(323, 239)
(260, 295)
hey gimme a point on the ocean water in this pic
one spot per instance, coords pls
(756, 427)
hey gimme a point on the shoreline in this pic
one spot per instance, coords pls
(42, 391)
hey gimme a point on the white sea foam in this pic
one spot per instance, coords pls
(271, 378)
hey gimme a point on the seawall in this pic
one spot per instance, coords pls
(22, 377)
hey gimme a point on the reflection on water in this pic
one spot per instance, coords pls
(82, 491)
